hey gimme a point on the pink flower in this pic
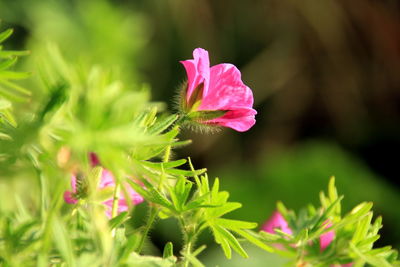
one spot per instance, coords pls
(219, 88)
(106, 182)
(276, 221)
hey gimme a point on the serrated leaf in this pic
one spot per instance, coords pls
(231, 240)
(182, 190)
(219, 239)
(152, 195)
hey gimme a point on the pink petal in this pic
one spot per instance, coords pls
(239, 120)
(68, 197)
(73, 183)
(197, 70)
(94, 160)
(226, 90)
(122, 206)
(327, 238)
(107, 179)
(276, 221)
(342, 265)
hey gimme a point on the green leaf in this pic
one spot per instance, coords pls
(282, 209)
(234, 224)
(231, 240)
(152, 194)
(254, 239)
(166, 165)
(362, 229)
(333, 195)
(197, 202)
(219, 239)
(12, 75)
(5, 34)
(224, 209)
(5, 64)
(63, 243)
(373, 260)
(168, 250)
(8, 117)
(11, 53)
(136, 260)
(162, 125)
(5, 104)
(119, 220)
(132, 243)
(182, 190)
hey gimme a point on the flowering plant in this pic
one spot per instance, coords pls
(86, 213)
(216, 95)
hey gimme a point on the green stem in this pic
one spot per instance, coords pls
(189, 237)
(115, 203)
(167, 154)
(149, 224)
(153, 210)
(181, 119)
(42, 194)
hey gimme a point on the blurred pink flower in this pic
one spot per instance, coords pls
(221, 89)
(106, 181)
(276, 221)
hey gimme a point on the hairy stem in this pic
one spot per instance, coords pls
(152, 216)
(189, 238)
(153, 210)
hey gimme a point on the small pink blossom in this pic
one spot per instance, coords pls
(274, 222)
(107, 181)
(222, 90)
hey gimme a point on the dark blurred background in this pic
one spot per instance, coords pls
(325, 77)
